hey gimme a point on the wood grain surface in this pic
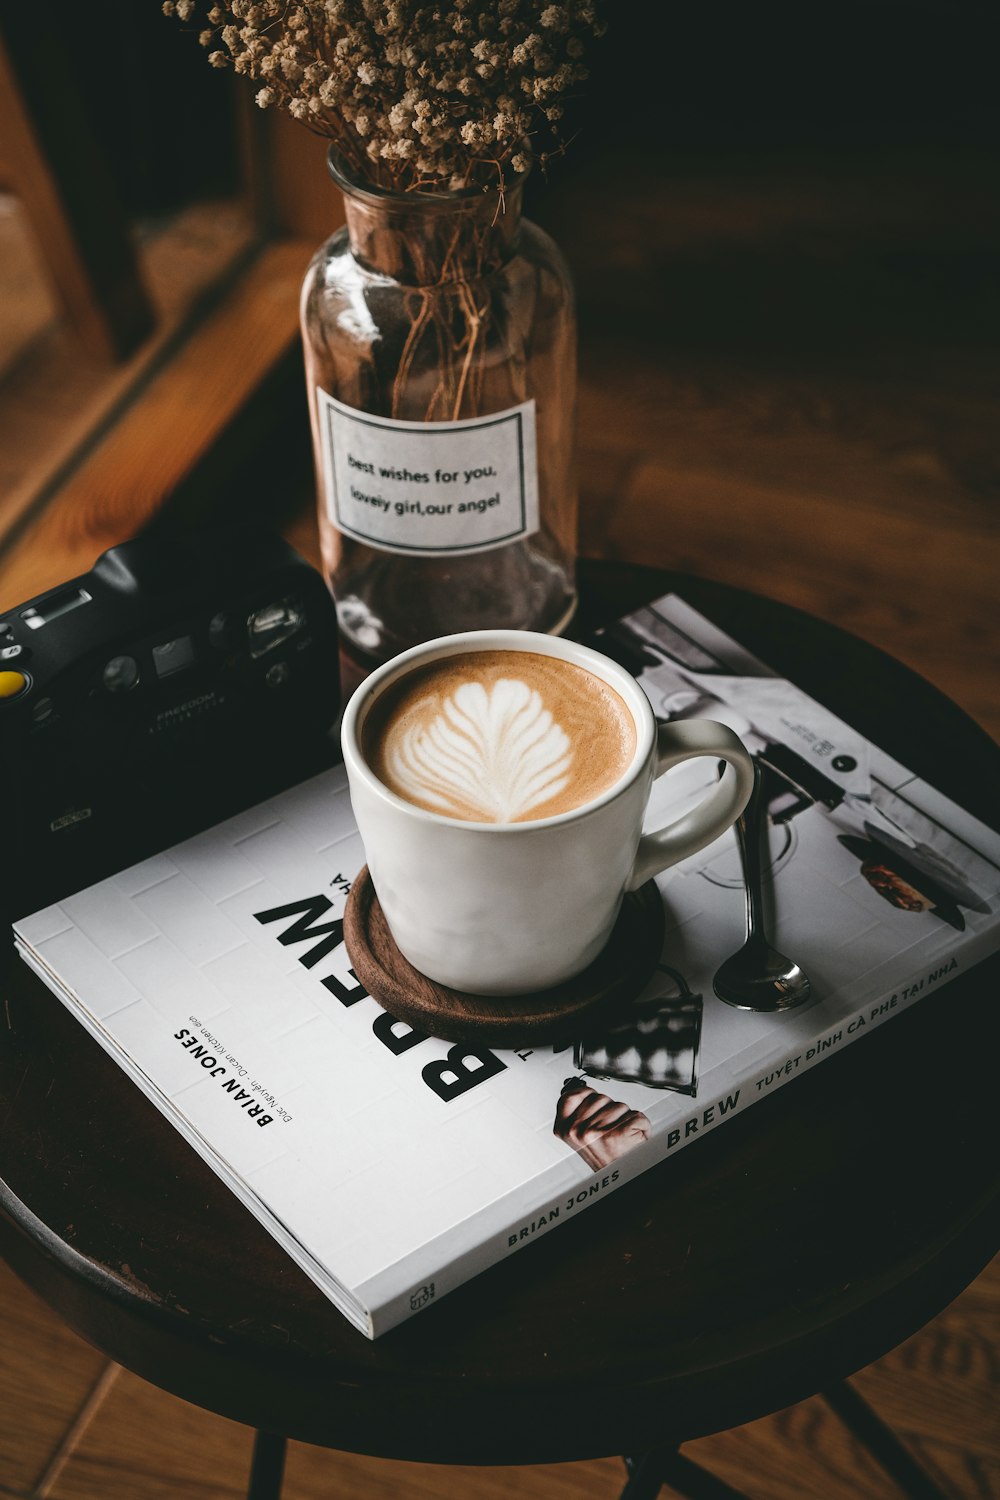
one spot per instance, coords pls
(73, 1427)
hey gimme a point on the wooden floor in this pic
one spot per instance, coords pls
(789, 383)
(74, 1427)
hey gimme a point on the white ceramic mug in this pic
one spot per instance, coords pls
(508, 908)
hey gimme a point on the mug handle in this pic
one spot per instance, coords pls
(680, 740)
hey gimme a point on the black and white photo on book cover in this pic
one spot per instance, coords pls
(392, 1165)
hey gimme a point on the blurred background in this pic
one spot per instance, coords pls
(783, 223)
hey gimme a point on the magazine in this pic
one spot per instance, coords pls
(393, 1165)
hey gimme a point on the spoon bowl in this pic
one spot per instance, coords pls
(758, 977)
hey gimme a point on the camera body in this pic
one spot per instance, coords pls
(179, 681)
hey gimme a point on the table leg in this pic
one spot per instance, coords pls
(882, 1443)
(649, 1472)
(267, 1466)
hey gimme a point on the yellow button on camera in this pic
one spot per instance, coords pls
(12, 683)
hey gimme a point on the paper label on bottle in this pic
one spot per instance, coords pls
(434, 488)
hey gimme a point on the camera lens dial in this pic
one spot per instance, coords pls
(121, 674)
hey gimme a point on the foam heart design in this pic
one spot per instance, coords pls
(492, 753)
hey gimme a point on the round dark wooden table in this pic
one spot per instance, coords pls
(806, 1239)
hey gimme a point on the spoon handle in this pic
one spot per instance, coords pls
(751, 832)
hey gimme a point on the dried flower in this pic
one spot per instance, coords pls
(412, 95)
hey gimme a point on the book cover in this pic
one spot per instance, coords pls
(393, 1165)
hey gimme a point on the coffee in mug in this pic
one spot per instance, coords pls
(499, 736)
(499, 779)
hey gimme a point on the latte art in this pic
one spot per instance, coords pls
(499, 736)
(494, 750)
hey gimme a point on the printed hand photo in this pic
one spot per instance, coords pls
(599, 1128)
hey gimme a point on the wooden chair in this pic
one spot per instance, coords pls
(57, 170)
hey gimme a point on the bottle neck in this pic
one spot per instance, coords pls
(429, 239)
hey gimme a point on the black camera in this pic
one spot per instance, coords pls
(181, 680)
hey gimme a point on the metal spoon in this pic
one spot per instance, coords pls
(758, 977)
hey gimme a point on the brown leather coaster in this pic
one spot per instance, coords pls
(551, 1015)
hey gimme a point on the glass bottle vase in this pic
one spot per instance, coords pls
(439, 334)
